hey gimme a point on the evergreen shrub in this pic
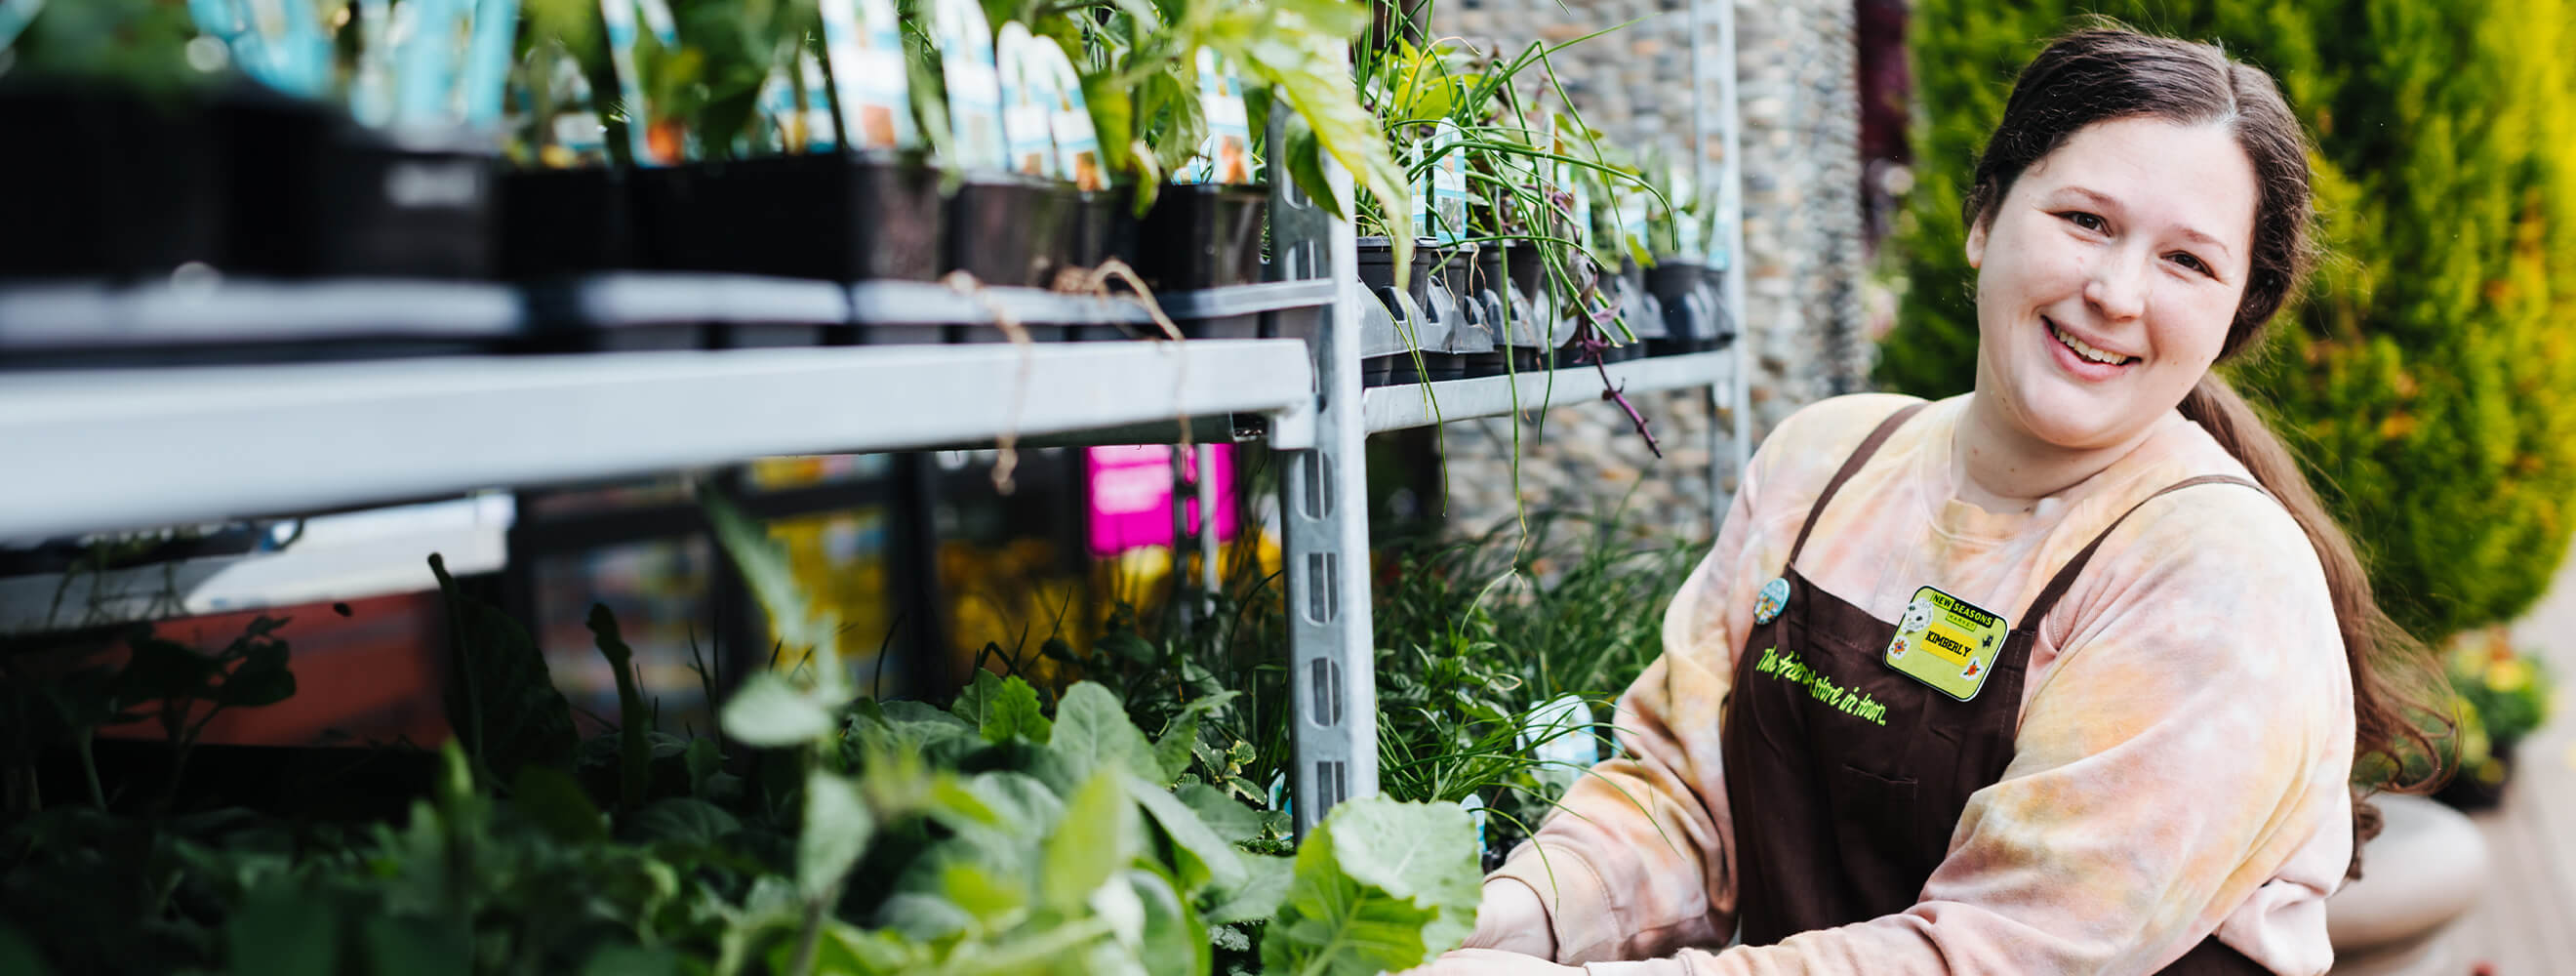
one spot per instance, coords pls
(2429, 379)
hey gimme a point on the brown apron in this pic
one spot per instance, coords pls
(1840, 820)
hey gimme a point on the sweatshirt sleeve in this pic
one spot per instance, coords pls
(1639, 858)
(2195, 736)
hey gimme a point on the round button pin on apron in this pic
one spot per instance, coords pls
(1775, 598)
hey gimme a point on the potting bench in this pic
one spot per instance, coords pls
(98, 447)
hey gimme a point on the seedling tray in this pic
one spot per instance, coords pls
(832, 217)
(96, 323)
(314, 194)
(1009, 231)
(1202, 235)
(557, 222)
(104, 184)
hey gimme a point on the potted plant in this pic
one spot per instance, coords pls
(2500, 696)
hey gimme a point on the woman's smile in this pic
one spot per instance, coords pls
(2085, 360)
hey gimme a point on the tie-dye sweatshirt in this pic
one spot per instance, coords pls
(2180, 766)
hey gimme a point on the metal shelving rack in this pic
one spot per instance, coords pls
(111, 448)
(1331, 640)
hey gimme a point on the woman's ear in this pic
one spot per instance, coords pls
(1977, 243)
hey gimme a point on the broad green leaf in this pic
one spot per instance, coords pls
(1202, 857)
(1380, 886)
(996, 903)
(1266, 881)
(283, 932)
(555, 801)
(1174, 941)
(1003, 709)
(925, 917)
(1022, 805)
(847, 950)
(1225, 815)
(1091, 843)
(835, 831)
(500, 699)
(680, 819)
(1172, 751)
(767, 711)
(1092, 731)
(1125, 644)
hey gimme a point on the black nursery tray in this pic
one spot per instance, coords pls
(93, 323)
(910, 312)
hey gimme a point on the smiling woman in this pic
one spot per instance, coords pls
(2049, 690)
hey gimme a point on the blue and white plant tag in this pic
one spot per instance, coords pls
(1559, 733)
(1028, 98)
(865, 43)
(15, 15)
(1448, 183)
(430, 38)
(1077, 143)
(1476, 812)
(821, 131)
(1631, 211)
(974, 84)
(487, 61)
(1226, 155)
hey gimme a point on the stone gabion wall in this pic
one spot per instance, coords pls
(1803, 327)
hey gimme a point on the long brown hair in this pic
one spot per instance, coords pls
(2106, 73)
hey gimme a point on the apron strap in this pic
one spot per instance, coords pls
(2065, 578)
(1851, 466)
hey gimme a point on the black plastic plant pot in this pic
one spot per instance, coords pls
(1105, 227)
(1377, 268)
(1204, 235)
(314, 194)
(107, 184)
(557, 222)
(1008, 230)
(829, 216)
(1675, 283)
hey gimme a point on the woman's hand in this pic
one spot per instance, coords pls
(1489, 962)
(1512, 919)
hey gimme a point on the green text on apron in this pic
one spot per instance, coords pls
(1840, 820)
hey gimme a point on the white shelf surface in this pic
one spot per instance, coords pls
(1398, 407)
(344, 556)
(122, 448)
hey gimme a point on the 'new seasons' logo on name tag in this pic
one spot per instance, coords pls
(1946, 642)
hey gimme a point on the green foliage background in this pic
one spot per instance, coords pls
(2429, 381)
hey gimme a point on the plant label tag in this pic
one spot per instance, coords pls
(974, 84)
(1448, 183)
(1475, 807)
(1077, 143)
(1559, 733)
(1028, 99)
(865, 44)
(1226, 156)
(1947, 642)
(821, 132)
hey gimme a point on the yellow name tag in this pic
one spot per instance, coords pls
(1947, 642)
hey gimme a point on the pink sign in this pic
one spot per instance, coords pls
(1131, 495)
